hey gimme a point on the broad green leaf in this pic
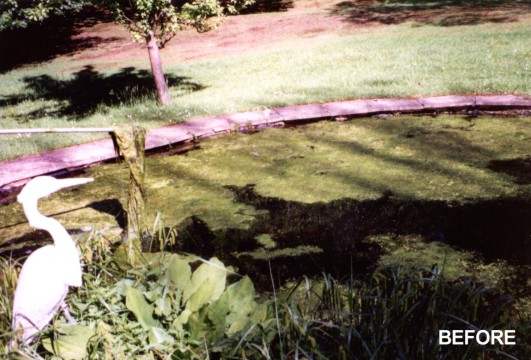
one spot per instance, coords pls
(241, 304)
(207, 285)
(179, 272)
(158, 336)
(184, 316)
(163, 306)
(177, 324)
(197, 325)
(176, 299)
(137, 304)
(217, 314)
(122, 286)
(263, 312)
(72, 343)
(153, 294)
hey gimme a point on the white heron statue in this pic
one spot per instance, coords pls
(49, 271)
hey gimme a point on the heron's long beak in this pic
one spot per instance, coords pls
(64, 183)
(42, 186)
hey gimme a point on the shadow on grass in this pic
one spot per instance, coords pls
(438, 12)
(268, 6)
(45, 41)
(89, 90)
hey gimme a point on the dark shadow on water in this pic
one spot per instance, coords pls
(54, 37)
(438, 12)
(112, 207)
(496, 229)
(20, 247)
(519, 168)
(89, 90)
(317, 238)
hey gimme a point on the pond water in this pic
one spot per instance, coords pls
(333, 197)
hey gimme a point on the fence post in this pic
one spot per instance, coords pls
(131, 142)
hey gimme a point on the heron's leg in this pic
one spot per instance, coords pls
(68, 317)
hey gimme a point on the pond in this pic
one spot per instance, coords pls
(334, 197)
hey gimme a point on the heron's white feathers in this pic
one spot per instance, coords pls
(48, 272)
(37, 298)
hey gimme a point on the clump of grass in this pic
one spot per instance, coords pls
(391, 313)
(8, 284)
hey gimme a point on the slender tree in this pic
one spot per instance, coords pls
(153, 22)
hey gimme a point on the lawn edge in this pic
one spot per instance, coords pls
(15, 173)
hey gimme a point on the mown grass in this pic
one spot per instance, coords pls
(407, 60)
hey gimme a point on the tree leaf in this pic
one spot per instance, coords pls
(137, 304)
(207, 285)
(158, 336)
(72, 343)
(179, 272)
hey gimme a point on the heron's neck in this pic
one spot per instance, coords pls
(61, 238)
(64, 245)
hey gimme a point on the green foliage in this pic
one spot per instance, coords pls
(8, 284)
(162, 307)
(137, 304)
(393, 313)
(20, 13)
(143, 18)
(71, 343)
(162, 19)
(142, 313)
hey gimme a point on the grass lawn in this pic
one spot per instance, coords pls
(404, 60)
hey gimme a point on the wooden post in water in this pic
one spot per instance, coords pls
(131, 142)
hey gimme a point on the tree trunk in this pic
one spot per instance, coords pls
(156, 68)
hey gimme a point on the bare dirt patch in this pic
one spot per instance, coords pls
(237, 34)
(102, 44)
(300, 20)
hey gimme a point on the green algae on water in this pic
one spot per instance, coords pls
(419, 157)
(439, 162)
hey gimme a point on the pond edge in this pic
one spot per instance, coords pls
(182, 136)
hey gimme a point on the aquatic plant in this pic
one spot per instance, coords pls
(178, 306)
(393, 313)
